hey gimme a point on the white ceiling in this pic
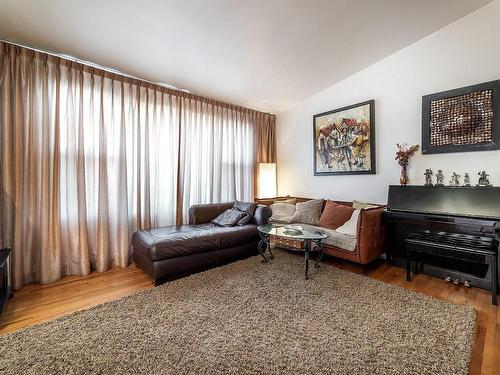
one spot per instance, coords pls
(265, 54)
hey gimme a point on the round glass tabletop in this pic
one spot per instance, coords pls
(293, 231)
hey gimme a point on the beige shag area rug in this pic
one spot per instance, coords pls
(249, 317)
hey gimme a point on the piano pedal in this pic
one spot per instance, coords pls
(467, 283)
(456, 281)
(447, 278)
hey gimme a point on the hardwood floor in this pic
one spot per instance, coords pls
(37, 303)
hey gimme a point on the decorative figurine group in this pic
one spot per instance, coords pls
(455, 178)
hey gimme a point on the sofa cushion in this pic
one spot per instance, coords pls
(308, 212)
(181, 240)
(339, 240)
(248, 208)
(282, 213)
(335, 215)
(351, 226)
(229, 218)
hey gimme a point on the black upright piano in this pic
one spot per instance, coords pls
(467, 210)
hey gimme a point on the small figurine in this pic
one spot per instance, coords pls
(439, 178)
(483, 179)
(428, 177)
(455, 179)
(466, 179)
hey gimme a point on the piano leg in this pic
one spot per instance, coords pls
(415, 266)
(494, 279)
(408, 265)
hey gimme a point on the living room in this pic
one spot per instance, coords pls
(249, 187)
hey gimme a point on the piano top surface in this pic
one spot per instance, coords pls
(470, 202)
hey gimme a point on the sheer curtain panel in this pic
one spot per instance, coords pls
(88, 157)
(86, 160)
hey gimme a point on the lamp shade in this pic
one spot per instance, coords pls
(267, 180)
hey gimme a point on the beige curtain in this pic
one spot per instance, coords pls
(88, 157)
(218, 154)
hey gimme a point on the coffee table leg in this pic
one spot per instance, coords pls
(262, 246)
(271, 256)
(320, 255)
(306, 256)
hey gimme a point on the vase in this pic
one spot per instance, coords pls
(403, 180)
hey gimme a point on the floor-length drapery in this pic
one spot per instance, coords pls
(88, 157)
(216, 155)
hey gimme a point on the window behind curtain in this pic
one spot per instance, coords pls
(88, 157)
(217, 155)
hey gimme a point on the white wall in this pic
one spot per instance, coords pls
(464, 53)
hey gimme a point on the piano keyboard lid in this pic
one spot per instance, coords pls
(477, 202)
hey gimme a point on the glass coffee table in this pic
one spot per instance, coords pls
(311, 238)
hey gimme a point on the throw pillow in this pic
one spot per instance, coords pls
(357, 205)
(248, 208)
(229, 218)
(334, 215)
(282, 213)
(351, 226)
(307, 212)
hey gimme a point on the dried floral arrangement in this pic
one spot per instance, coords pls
(403, 155)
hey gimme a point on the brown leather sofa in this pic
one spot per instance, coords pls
(173, 251)
(370, 233)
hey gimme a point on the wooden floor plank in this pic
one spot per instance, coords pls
(38, 303)
(496, 355)
(490, 312)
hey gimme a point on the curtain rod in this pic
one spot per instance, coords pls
(93, 65)
(116, 71)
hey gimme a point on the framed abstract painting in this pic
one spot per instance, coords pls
(344, 140)
(464, 119)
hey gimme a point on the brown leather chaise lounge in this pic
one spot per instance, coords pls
(173, 251)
